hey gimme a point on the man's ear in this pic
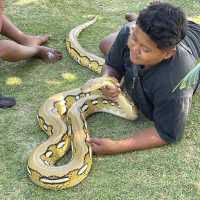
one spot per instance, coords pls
(170, 53)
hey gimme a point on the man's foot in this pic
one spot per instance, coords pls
(130, 17)
(7, 102)
(48, 55)
(29, 40)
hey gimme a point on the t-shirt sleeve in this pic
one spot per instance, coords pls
(115, 57)
(170, 115)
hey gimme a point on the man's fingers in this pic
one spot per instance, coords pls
(118, 85)
(114, 87)
(93, 141)
(114, 99)
(94, 144)
(111, 91)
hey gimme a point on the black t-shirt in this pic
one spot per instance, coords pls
(152, 89)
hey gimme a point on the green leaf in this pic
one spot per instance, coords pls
(190, 79)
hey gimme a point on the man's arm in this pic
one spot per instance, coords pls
(146, 139)
(109, 71)
(111, 92)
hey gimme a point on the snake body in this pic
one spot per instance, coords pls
(79, 54)
(63, 118)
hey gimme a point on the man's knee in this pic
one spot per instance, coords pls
(103, 46)
(106, 44)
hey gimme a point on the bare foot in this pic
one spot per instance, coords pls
(49, 55)
(29, 40)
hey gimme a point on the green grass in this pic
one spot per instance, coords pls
(171, 172)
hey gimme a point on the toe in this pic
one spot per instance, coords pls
(43, 39)
(54, 56)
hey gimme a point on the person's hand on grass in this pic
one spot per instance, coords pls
(103, 146)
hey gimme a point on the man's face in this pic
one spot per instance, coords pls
(143, 50)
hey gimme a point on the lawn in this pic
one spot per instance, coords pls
(169, 173)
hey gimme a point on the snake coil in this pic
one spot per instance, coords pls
(63, 118)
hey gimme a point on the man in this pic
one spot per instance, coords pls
(153, 57)
(21, 47)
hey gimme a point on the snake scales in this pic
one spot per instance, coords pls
(63, 118)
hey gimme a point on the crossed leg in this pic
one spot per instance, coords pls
(23, 46)
(8, 29)
(20, 47)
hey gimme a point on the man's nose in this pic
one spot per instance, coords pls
(136, 49)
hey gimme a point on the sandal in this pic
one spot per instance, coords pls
(7, 102)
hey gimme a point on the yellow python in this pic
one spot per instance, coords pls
(78, 53)
(63, 118)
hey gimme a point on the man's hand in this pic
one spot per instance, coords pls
(103, 146)
(111, 92)
(145, 139)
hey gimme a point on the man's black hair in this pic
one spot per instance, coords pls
(165, 24)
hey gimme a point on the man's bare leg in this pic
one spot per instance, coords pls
(12, 32)
(12, 51)
(22, 47)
